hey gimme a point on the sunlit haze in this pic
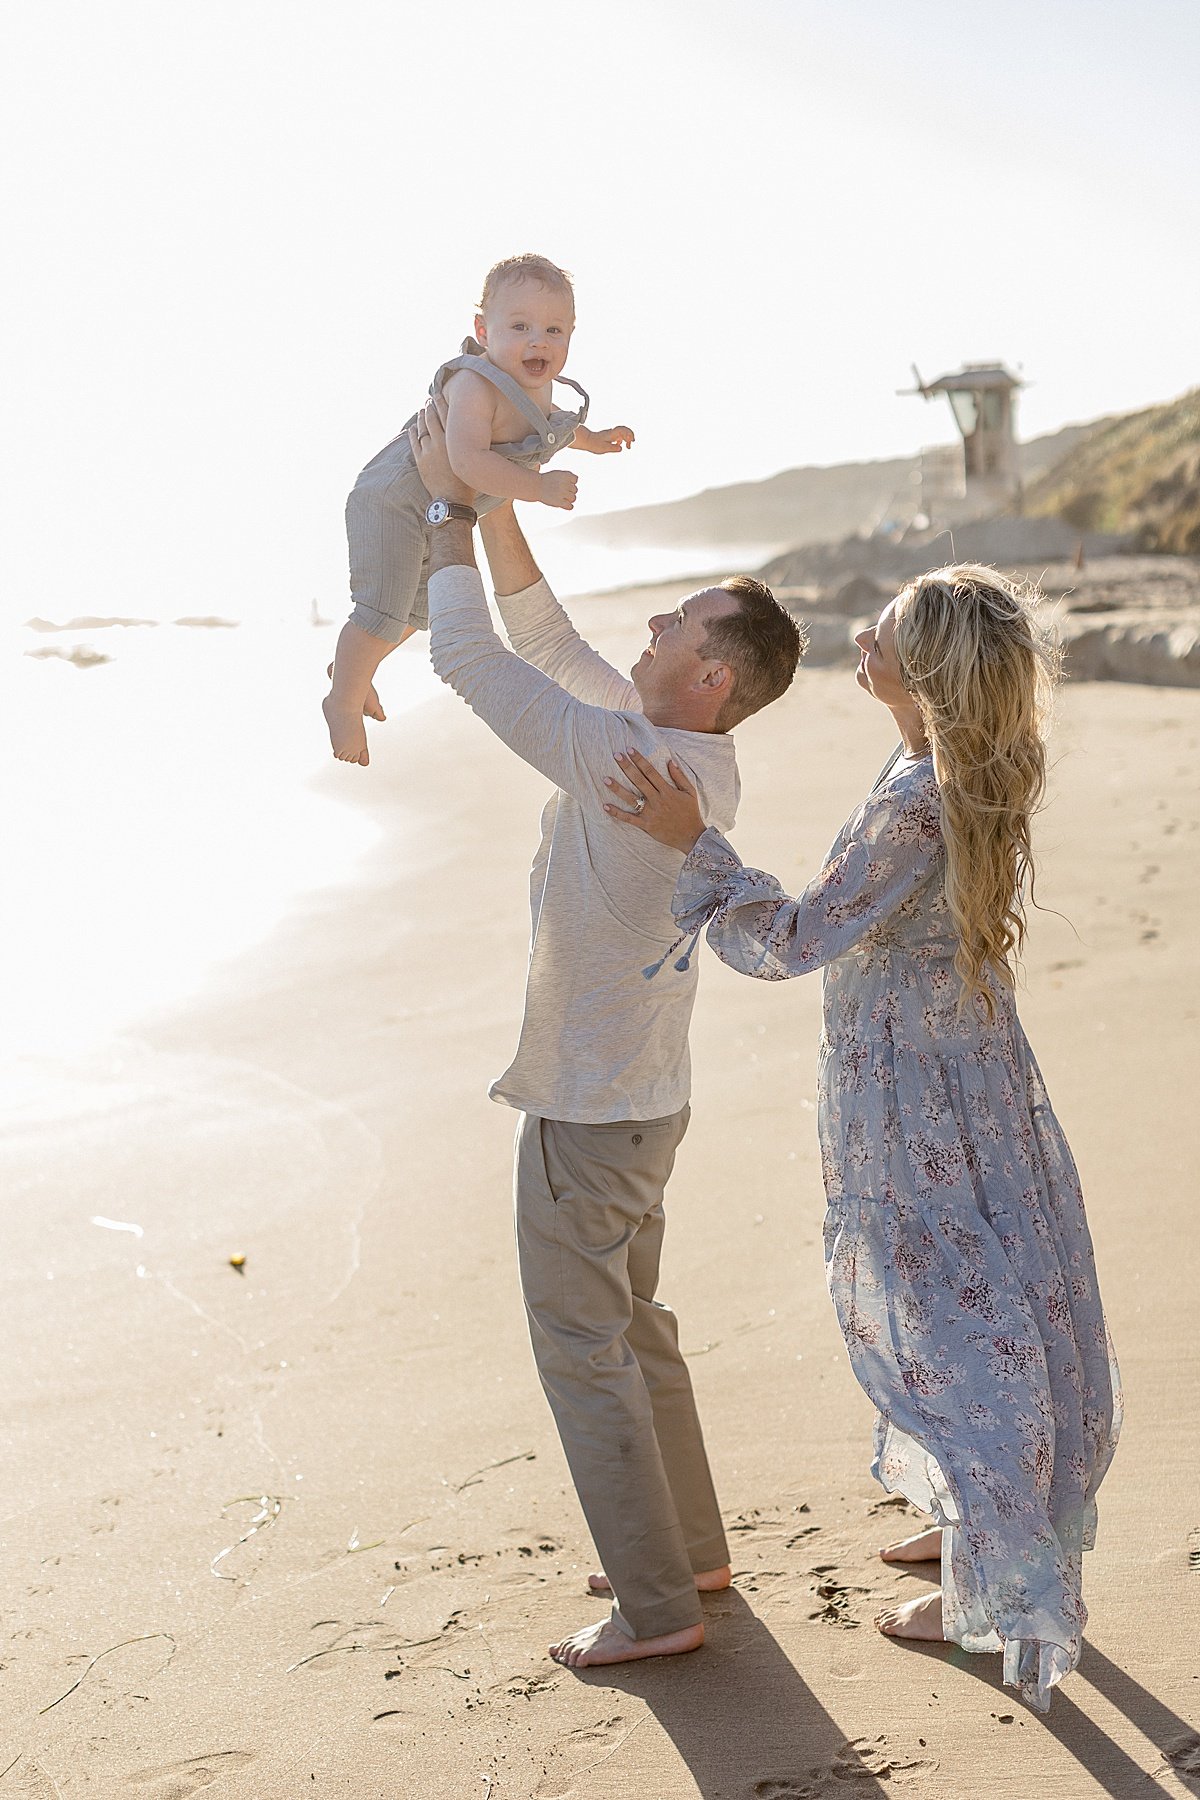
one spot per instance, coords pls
(242, 237)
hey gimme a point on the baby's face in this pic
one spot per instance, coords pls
(526, 331)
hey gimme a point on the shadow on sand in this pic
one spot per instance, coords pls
(748, 1728)
(1112, 1769)
(745, 1723)
(1178, 1742)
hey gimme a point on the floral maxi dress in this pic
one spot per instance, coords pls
(957, 1248)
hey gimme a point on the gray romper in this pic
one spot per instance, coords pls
(385, 514)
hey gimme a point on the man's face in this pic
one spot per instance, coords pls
(526, 331)
(673, 661)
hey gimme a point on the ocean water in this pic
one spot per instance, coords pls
(161, 803)
(574, 568)
(161, 813)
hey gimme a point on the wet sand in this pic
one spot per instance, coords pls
(304, 1527)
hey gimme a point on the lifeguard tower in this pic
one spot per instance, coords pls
(986, 479)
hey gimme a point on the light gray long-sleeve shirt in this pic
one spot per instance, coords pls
(599, 1042)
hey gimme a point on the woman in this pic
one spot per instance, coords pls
(957, 1249)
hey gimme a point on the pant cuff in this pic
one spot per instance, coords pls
(663, 1617)
(381, 625)
(711, 1553)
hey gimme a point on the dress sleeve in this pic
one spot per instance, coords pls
(884, 857)
(540, 631)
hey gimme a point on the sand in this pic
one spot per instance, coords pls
(305, 1528)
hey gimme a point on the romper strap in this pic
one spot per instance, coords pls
(583, 410)
(474, 359)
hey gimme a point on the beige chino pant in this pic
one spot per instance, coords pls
(589, 1206)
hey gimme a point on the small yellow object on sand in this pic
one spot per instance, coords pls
(238, 1261)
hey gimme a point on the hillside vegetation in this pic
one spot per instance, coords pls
(1139, 474)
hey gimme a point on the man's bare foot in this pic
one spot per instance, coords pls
(915, 1619)
(924, 1547)
(710, 1581)
(607, 1643)
(347, 733)
(372, 708)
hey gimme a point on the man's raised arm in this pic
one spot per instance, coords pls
(558, 734)
(538, 628)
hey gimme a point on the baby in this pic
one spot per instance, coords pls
(501, 427)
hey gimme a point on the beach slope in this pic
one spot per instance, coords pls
(301, 1524)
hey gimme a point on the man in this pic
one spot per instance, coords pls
(602, 1075)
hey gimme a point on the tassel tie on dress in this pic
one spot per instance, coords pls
(683, 963)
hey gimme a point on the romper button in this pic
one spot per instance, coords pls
(549, 437)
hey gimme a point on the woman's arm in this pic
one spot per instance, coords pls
(753, 925)
(470, 416)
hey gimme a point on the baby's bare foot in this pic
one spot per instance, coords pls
(711, 1581)
(372, 709)
(915, 1619)
(924, 1547)
(347, 733)
(607, 1643)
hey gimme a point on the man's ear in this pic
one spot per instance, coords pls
(481, 330)
(717, 679)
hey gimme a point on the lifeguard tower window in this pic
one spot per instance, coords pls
(980, 419)
(981, 396)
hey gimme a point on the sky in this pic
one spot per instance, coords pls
(245, 234)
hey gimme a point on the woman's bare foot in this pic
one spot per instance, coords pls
(924, 1547)
(710, 1581)
(372, 707)
(915, 1619)
(347, 733)
(607, 1643)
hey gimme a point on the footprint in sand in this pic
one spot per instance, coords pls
(837, 1598)
(175, 1781)
(750, 1581)
(875, 1757)
(1194, 1550)
(894, 1503)
(577, 1752)
(1183, 1754)
(524, 1687)
(860, 1760)
(30, 1781)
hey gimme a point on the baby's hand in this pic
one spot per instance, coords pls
(559, 488)
(610, 438)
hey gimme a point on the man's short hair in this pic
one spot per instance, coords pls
(526, 267)
(762, 645)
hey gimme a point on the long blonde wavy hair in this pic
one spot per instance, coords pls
(981, 661)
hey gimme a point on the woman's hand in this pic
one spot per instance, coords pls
(666, 810)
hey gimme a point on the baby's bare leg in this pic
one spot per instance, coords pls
(372, 705)
(352, 693)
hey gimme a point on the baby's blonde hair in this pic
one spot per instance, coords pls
(527, 267)
(981, 662)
